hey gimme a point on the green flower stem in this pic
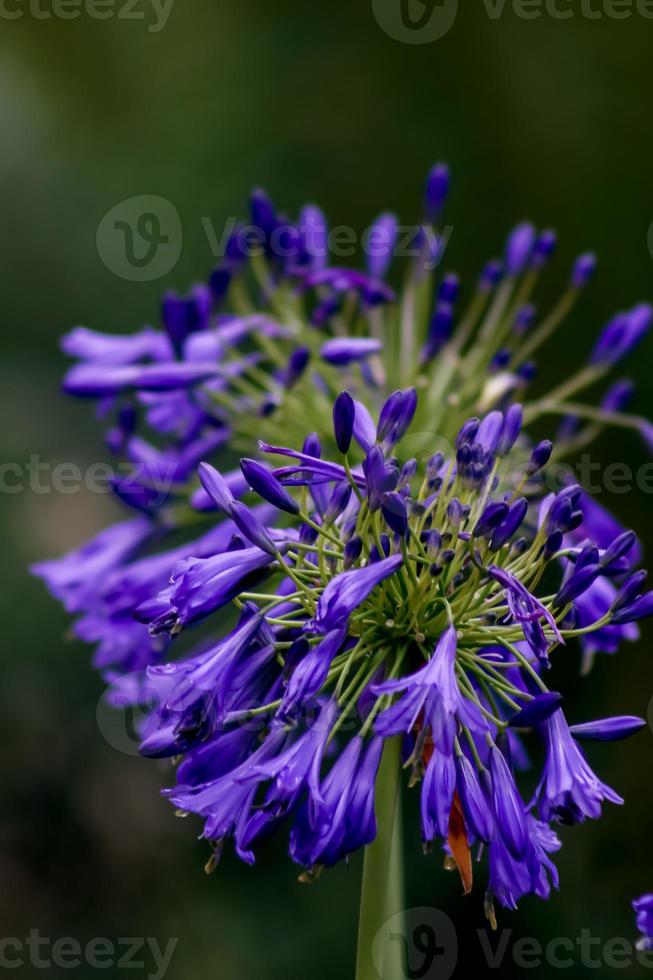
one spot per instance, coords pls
(382, 888)
(546, 328)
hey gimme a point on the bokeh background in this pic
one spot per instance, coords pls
(543, 118)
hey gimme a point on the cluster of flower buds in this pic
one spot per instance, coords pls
(403, 598)
(400, 600)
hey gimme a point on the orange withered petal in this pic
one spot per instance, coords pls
(459, 845)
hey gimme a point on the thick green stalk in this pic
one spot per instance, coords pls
(382, 889)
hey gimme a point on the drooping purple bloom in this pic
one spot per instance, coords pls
(311, 672)
(569, 791)
(438, 789)
(345, 820)
(433, 693)
(473, 789)
(511, 878)
(509, 808)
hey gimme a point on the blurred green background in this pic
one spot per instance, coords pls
(541, 118)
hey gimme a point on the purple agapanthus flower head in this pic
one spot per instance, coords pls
(392, 579)
(384, 603)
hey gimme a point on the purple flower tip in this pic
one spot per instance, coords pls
(267, 486)
(608, 729)
(540, 456)
(519, 248)
(544, 248)
(437, 190)
(583, 270)
(344, 412)
(490, 276)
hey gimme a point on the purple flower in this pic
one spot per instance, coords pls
(509, 525)
(536, 711)
(433, 693)
(77, 575)
(474, 789)
(395, 418)
(583, 270)
(346, 351)
(512, 425)
(438, 183)
(509, 809)
(644, 908)
(519, 248)
(116, 349)
(348, 590)
(200, 586)
(311, 672)
(395, 596)
(345, 820)
(438, 789)
(540, 457)
(608, 729)
(511, 878)
(569, 791)
(343, 420)
(545, 245)
(267, 486)
(94, 380)
(527, 610)
(622, 335)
